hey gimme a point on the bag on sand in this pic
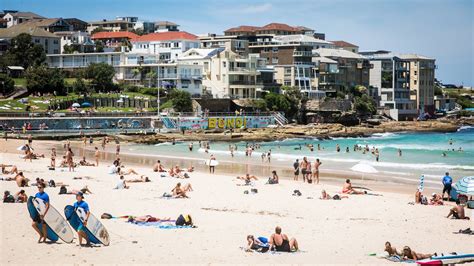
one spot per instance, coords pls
(106, 216)
(62, 190)
(184, 220)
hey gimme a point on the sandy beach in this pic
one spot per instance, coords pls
(328, 232)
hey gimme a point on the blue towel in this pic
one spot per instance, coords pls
(162, 225)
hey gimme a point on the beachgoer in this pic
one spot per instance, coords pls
(254, 244)
(212, 167)
(418, 196)
(70, 159)
(53, 158)
(96, 155)
(316, 171)
(409, 254)
(447, 183)
(391, 250)
(122, 184)
(274, 179)
(347, 188)
(458, 211)
(64, 190)
(296, 166)
(179, 192)
(21, 196)
(281, 243)
(39, 218)
(83, 162)
(7, 197)
(326, 196)
(147, 219)
(142, 179)
(80, 203)
(303, 167)
(158, 167)
(436, 199)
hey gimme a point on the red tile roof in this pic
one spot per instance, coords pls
(166, 36)
(278, 26)
(343, 44)
(114, 35)
(243, 28)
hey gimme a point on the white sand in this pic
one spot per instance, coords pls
(327, 231)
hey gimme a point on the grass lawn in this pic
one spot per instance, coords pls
(20, 82)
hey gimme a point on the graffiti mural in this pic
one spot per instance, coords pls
(225, 122)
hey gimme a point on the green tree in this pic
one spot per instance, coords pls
(295, 98)
(101, 75)
(181, 101)
(277, 102)
(70, 49)
(364, 105)
(7, 84)
(151, 76)
(43, 79)
(23, 52)
(79, 86)
(99, 47)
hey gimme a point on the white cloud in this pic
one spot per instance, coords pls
(256, 8)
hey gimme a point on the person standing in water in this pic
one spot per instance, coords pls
(40, 217)
(399, 152)
(80, 203)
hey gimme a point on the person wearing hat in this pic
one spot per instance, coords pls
(40, 217)
(80, 203)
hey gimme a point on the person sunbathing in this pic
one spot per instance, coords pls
(191, 169)
(408, 254)
(254, 244)
(64, 190)
(128, 172)
(21, 180)
(14, 169)
(247, 178)
(326, 196)
(7, 197)
(142, 179)
(436, 199)
(392, 251)
(147, 219)
(83, 162)
(21, 196)
(158, 167)
(179, 192)
(458, 211)
(280, 242)
(347, 188)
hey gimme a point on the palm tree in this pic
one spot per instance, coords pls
(151, 76)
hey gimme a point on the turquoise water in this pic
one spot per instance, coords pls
(422, 153)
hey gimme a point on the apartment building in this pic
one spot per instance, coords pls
(422, 79)
(77, 24)
(82, 40)
(391, 75)
(114, 39)
(168, 75)
(163, 26)
(49, 41)
(16, 18)
(346, 46)
(351, 70)
(49, 24)
(168, 45)
(111, 25)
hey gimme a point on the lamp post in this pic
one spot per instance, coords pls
(158, 85)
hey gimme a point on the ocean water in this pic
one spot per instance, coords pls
(422, 154)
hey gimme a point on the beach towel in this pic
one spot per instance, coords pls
(396, 258)
(163, 225)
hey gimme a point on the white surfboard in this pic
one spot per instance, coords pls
(54, 220)
(94, 226)
(212, 162)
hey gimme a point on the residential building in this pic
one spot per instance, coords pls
(3, 23)
(444, 103)
(111, 25)
(145, 26)
(49, 24)
(168, 45)
(346, 46)
(168, 75)
(77, 24)
(272, 29)
(352, 70)
(79, 40)
(391, 75)
(422, 80)
(114, 39)
(128, 19)
(162, 26)
(49, 41)
(15, 18)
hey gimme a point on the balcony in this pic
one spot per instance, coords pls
(244, 83)
(303, 53)
(242, 70)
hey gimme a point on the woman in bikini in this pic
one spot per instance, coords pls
(347, 188)
(409, 254)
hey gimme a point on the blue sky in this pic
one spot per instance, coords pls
(442, 29)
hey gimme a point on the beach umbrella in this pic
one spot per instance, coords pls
(76, 105)
(86, 104)
(364, 168)
(465, 185)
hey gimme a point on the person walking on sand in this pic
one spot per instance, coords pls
(212, 164)
(53, 158)
(91, 140)
(117, 149)
(296, 166)
(316, 171)
(447, 183)
(80, 203)
(70, 159)
(39, 218)
(96, 155)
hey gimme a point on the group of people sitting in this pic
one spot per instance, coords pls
(122, 184)
(175, 171)
(434, 200)
(19, 197)
(278, 242)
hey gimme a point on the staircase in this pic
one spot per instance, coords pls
(169, 123)
(280, 118)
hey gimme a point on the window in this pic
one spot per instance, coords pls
(287, 82)
(275, 49)
(414, 81)
(224, 65)
(275, 60)
(55, 42)
(37, 40)
(416, 73)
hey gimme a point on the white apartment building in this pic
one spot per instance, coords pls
(167, 45)
(226, 74)
(391, 76)
(168, 75)
(82, 39)
(46, 39)
(15, 18)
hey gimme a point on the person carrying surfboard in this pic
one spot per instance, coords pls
(40, 217)
(80, 203)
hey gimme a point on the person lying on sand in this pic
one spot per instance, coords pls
(147, 219)
(347, 189)
(436, 199)
(458, 211)
(142, 179)
(408, 254)
(391, 250)
(326, 196)
(280, 242)
(21, 180)
(83, 162)
(14, 169)
(158, 167)
(128, 172)
(64, 190)
(180, 192)
(254, 244)
(21, 196)
(247, 178)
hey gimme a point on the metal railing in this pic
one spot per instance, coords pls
(73, 114)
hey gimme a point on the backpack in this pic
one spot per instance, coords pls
(51, 183)
(424, 200)
(62, 190)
